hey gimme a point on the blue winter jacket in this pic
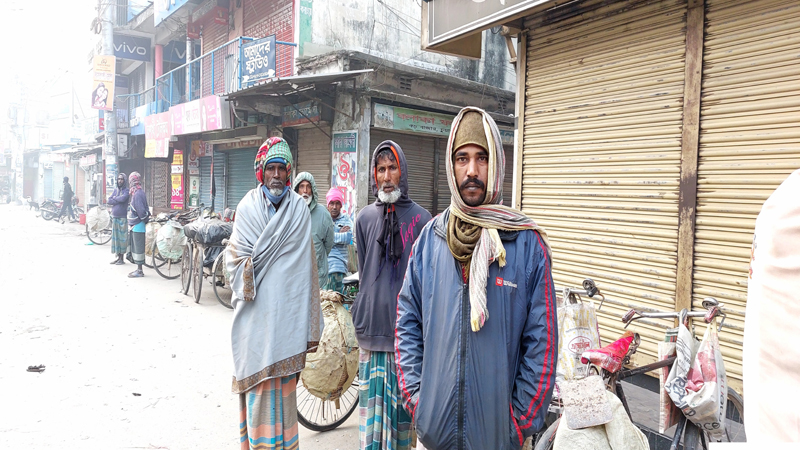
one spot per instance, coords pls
(476, 390)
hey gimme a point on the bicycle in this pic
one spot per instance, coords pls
(100, 236)
(693, 437)
(169, 266)
(194, 264)
(317, 414)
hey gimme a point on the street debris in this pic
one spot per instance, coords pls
(38, 369)
(136, 394)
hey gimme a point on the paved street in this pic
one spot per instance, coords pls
(130, 363)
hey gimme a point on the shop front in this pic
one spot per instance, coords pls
(649, 135)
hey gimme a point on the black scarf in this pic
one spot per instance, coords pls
(390, 241)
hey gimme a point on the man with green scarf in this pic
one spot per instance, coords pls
(321, 223)
(476, 332)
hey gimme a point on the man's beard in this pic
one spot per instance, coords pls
(308, 199)
(391, 197)
(473, 182)
(275, 191)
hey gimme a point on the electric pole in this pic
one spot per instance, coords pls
(107, 10)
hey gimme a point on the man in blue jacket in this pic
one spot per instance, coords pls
(477, 335)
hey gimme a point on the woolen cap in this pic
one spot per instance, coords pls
(471, 131)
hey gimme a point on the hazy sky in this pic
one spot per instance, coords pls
(42, 39)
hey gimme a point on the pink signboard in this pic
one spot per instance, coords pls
(205, 114)
(157, 131)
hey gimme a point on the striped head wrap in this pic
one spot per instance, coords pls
(135, 182)
(274, 149)
(490, 216)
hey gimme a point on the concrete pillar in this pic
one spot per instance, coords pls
(348, 102)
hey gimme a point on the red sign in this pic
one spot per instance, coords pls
(205, 114)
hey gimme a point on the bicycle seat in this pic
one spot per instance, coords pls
(612, 355)
(350, 280)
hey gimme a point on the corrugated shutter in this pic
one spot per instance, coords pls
(240, 175)
(419, 151)
(48, 184)
(157, 184)
(205, 180)
(220, 174)
(314, 157)
(602, 148)
(58, 176)
(444, 190)
(79, 188)
(749, 143)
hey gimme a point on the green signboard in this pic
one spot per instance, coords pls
(405, 119)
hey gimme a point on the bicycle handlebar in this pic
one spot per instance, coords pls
(713, 309)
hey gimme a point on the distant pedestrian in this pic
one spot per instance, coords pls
(119, 224)
(138, 215)
(342, 238)
(276, 308)
(66, 199)
(321, 223)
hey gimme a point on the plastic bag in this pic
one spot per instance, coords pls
(352, 259)
(170, 241)
(697, 383)
(98, 219)
(578, 329)
(669, 414)
(611, 356)
(151, 230)
(331, 370)
(619, 434)
(211, 231)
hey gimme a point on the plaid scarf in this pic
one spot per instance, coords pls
(467, 222)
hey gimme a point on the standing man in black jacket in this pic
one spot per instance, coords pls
(66, 198)
(385, 232)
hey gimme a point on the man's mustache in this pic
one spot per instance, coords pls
(470, 182)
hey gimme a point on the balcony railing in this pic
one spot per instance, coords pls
(218, 71)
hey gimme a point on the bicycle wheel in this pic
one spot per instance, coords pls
(222, 289)
(545, 439)
(197, 276)
(78, 210)
(98, 237)
(317, 414)
(167, 267)
(694, 438)
(186, 268)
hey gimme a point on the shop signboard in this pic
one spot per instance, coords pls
(344, 146)
(405, 119)
(137, 120)
(157, 134)
(136, 48)
(204, 114)
(175, 52)
(194, 192)
(123, 123)
(258, 61)
(122, 145)
(105, 67)
(176, 201)
(300, 113)
(88, 160)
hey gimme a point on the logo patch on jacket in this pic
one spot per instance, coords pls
(501, 282)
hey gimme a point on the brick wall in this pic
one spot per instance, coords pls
(263, 18)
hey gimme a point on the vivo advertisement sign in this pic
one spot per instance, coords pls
(132, 47)
(175, 52)
(165, 8)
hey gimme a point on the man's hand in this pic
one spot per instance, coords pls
(344, 229)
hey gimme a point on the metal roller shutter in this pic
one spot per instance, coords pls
(79, 187)
(240, 175)
(205, 180)
(602, 148)
(314, 157)
(157, 185)
(444, 189)
(220, 173)
(48, 184)
(749, 143)
(419, 151)
(58, 177)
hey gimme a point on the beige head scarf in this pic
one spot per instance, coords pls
(475, 227)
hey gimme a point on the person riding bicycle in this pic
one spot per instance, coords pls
(66, 198)
(477, 330)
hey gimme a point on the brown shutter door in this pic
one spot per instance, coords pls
(601, 152)
(419, 151)
(314, 156)
(749, 143)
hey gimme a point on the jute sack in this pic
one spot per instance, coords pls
(331, 370)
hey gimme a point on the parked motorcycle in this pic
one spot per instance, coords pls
(52, 208)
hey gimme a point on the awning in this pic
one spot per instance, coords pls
(289, 85)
